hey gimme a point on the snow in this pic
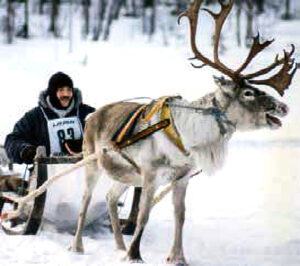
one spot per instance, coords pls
(247, 214)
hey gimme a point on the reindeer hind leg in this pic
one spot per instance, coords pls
(148, 191)
(129, 225)
(112, 200)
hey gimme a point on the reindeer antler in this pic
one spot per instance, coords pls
(256, 48)
(279, 81)
(192, 15)
(283, 78)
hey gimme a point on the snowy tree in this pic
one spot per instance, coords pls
(24, 30)
(287, 10)
(54, 16)
(10, 21)
(86, 17)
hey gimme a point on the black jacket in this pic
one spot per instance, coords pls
(32, 128)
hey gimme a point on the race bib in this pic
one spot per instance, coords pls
(62, 129)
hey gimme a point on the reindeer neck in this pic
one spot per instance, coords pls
(200, 122)
(215, 99)
(201, 132)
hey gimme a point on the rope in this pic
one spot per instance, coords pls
(207, 111)
(35, 193)
(137, 98)
(168, 188)
(219, 115)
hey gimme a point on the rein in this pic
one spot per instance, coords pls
(219, 115)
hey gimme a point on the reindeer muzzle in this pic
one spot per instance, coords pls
(272, 119)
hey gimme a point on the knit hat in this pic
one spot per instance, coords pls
(56, 81)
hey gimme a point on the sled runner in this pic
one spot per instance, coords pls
(29, 222)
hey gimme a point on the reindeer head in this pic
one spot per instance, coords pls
(247, 106)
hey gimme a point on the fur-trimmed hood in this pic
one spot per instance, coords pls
(77, 99)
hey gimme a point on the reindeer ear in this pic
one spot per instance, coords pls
(219, 80)
(225, 85)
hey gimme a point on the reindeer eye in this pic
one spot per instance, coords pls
(248, 93)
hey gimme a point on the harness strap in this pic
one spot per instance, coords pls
(221, 117)
(171, 130)
(165, 113)
(156, 107)
(129, 124)
(144, 133)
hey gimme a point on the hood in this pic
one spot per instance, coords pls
(77, 98)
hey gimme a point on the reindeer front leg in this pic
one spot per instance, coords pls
(77, 245)
(176, 255)
(148, 191)
(92, 176)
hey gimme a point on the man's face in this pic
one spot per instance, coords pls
(64, 95)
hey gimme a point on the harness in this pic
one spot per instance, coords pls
(124, 135)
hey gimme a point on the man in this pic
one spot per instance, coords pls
(59, 117)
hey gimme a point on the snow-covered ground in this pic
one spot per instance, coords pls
(247, 214)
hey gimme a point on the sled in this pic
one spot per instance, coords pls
(59, 205)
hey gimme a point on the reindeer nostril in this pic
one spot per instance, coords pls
(283, 109)
(286, 109)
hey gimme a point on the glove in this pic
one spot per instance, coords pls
(28, 153)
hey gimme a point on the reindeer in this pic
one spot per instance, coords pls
(203, 128)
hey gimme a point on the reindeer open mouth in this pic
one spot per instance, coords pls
(273, 121)
(272, 117)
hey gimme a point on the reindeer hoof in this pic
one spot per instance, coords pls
(133, 260)
(177, 261)
(137, 261)
(76, 249)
